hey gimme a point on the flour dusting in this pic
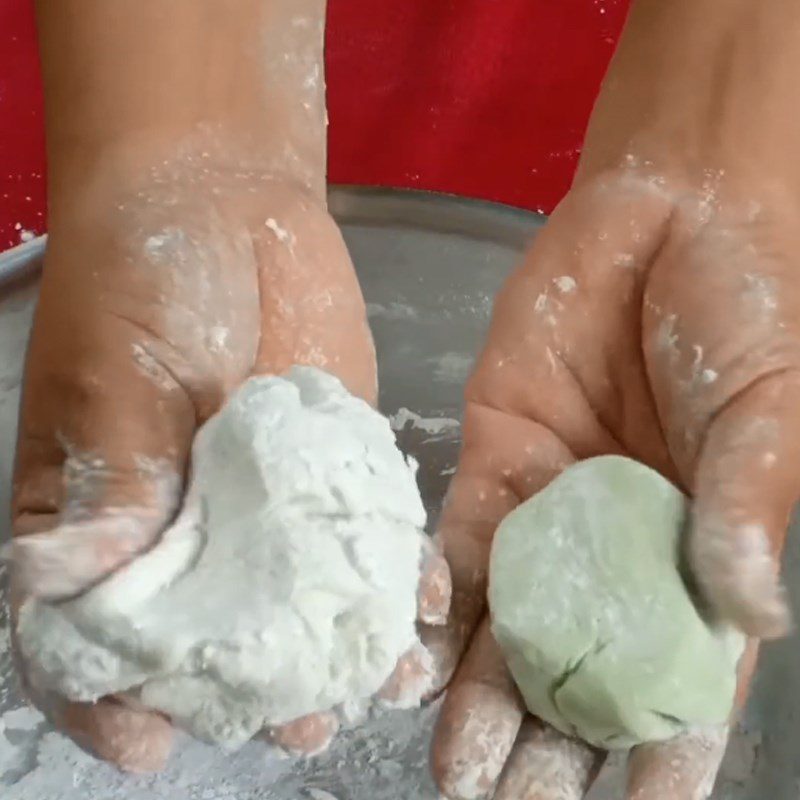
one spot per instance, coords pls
(436, 426)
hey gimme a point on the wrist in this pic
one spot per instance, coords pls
(701, 84)
(130, 83)
(132, 177)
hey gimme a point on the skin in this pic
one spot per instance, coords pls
(188, 250)
(655, 316)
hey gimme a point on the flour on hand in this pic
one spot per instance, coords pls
(286, 586)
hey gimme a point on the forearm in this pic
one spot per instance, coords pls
(140, 81)
(700, 73)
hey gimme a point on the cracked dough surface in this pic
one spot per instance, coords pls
(593, 615)
(288, 584)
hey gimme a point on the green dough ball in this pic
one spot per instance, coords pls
(592, 613)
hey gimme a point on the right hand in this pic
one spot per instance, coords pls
(156, 302)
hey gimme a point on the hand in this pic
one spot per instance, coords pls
(156, 302)
(189, 248)
(658, 316)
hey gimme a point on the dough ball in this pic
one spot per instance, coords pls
(590, 606)
(288, 584)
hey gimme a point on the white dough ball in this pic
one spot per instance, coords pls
(288, 584)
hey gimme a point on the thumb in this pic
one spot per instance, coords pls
(746, 484)
(104, 436)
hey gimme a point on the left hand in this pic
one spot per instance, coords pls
(656, 316)
(658, 320)
(665, 331)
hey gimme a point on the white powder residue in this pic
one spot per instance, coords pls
(701, 374)
(547, 764)
(218, 338)
(547, 307)
(484, 738)
(150, 367)
(319, 794)
(451, 367)
(24, 234)
(709, 376)
(284, 236)
(164, 245)
(311, 81)
(436, 426)
(551, 360)
(314, 356)
(762, 290)
(24, 718)
(394, 311)
(667, 337)
(566, 284)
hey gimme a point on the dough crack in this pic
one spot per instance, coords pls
(678, 723)
(569, 672)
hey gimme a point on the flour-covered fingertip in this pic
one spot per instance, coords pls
(411, 680)
(435, 586)
(738, 577)
(308, 736)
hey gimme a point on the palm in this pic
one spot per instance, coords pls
(634, 328)
(147, 319)
(188, 288)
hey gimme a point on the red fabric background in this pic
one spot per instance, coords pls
(483, 98)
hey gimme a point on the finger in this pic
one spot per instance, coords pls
(686, 767)
(317, 316)
(478, 723)
(104, 437)
(546, 765)
(307, 736)
(683, 768)
(505, 460)
(133, 739)
(411, 680)
(65, 559)
(746, 485)
(435, 588)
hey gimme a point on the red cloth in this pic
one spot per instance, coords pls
(22, 162)
(483, 98)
